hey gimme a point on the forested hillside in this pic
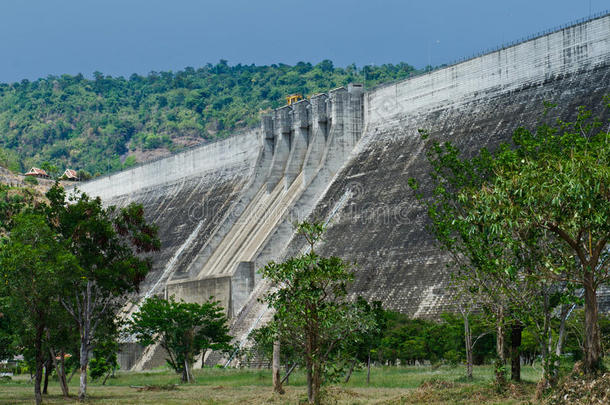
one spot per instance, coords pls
(108, 123)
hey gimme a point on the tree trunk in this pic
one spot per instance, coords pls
(61, 373)
(468, 344)
(289, 369)
(500, 378)
(317, 381)
(72, 374)
(39, 356)
(565, 312)
(350, 371)
(515, 352)
(368, 369)
(48, 368)
(85, 329)
(309, 366)
(592, 335)
(309, 384)
(277, 382)
(106, 377)
(84, 362)
(186, 374)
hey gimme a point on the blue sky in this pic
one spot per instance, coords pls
(120, 37)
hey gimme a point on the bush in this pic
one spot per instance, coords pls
(31, 180)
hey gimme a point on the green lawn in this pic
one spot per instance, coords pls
(389, 385)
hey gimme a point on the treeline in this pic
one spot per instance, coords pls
(96, 125)
(402, 340)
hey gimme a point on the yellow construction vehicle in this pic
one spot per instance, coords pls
(293, 98)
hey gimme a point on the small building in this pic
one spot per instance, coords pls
(36, 172)
(70, 174)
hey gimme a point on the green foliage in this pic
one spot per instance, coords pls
(263, 338)
(311, 309)
(555, 184)
(31, 180)
(109, 246)
(398, 338)
(411, 340)
(9, 159)
(576, 335)
(104, 360)
(104, 240)
(13, 202)
(527, 224)
(184, 330)
(32, 260)
(71, 121)
(7, 331)
(368, 343)
(52, 170)
(129, 162)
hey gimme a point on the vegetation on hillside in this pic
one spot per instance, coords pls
(107, 123)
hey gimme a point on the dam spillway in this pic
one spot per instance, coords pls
(344, 158)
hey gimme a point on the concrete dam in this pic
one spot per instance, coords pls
(227, 208)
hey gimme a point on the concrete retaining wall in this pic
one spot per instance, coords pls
(225, 154)
(574, 49)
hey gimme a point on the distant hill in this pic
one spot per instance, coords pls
(108, 123)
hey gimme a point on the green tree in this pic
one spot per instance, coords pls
(184, 330)
(51, 169)
(31, 262)
(10, 159)
(367, 344)
(480, 257)
(556, 183)
(7, 330)
(107, 244)
(61, 338)
(105, 360)
(494, 263)
(263, 339)
(311, 309)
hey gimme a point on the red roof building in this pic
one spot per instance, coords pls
(70, 174)
(36, 172)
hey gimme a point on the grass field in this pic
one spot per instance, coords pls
(389, 385)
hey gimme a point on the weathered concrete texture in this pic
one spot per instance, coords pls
(299, 139)
(233, 152)
(575, 49)
(374, 219)
(381, 227)
(187, 195)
